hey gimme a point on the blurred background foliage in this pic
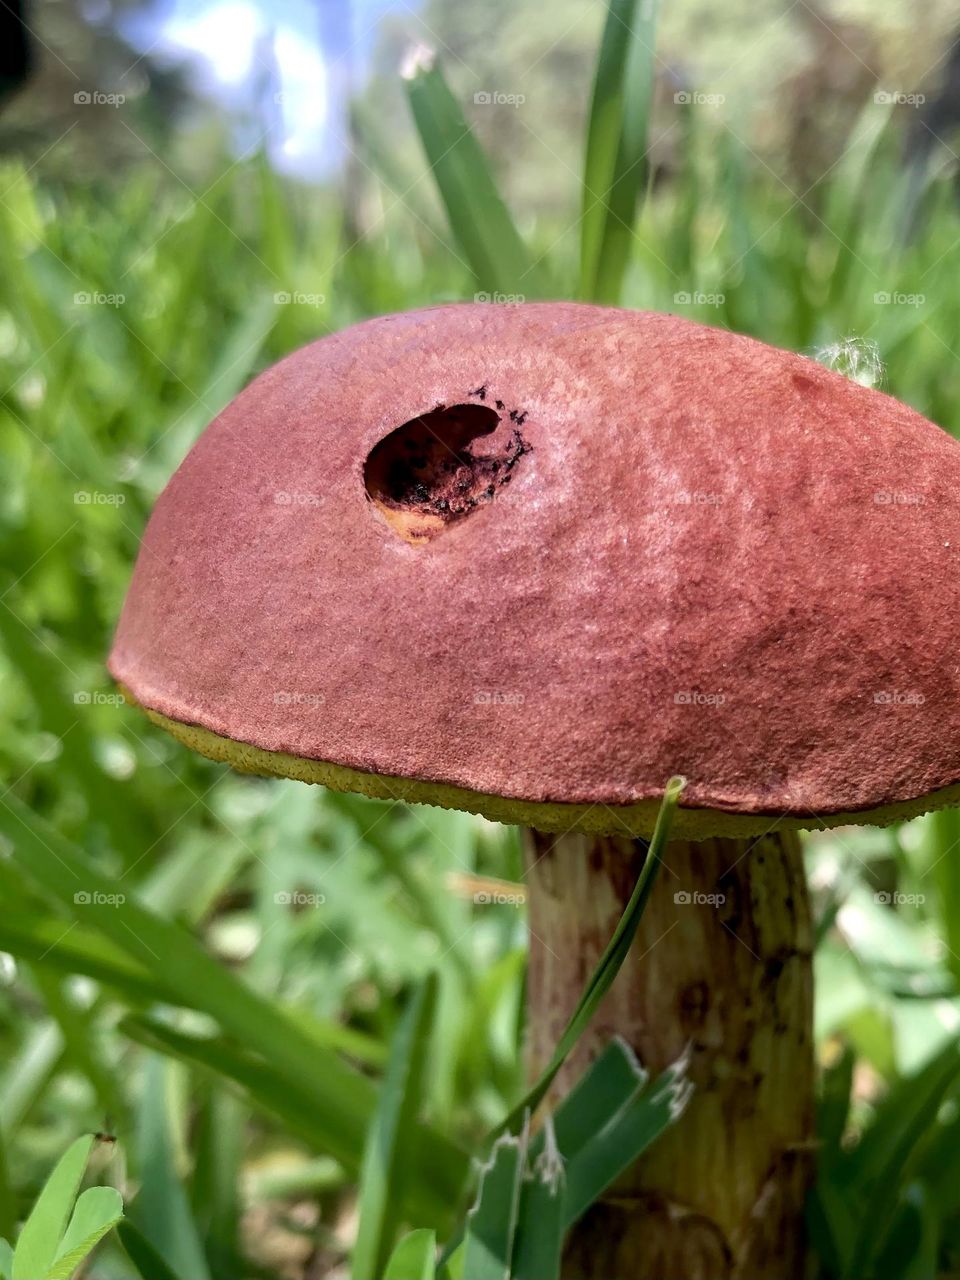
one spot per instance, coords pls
(155, 256)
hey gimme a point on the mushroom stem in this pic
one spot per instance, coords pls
(721, 966)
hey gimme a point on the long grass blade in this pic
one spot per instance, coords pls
(150, 1263)
(610, 962)
(485, 233)
(340, 1099)
(492, 1222)
(161, 1209)
(391, 1134)
(615, 168)
(436, 1168)
(630, 1130)
(538, 1245)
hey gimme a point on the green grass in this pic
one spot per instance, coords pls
(231, 1043)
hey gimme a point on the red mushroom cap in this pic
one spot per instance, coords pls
(532, 560)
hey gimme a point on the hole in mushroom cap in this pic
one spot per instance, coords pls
(440, 467)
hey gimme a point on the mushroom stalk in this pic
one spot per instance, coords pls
(721, 967)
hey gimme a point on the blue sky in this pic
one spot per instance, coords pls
(283, 65)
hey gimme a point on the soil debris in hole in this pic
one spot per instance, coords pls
(439, 467)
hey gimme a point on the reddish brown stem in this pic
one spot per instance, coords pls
(721, 965)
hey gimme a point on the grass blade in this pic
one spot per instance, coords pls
(615, 169)
(161, 1209)
(943, 833)
(8, 1202)
(81, 1042)
(630, 1130)
(607, 1085)
(437, 1169)
(540, 1227)
(149, 1263)
(492, 1222)
(414, 1258)
(76, 950)
(73, 949)
(215, 1189)
(390, 1135)
(28, 1075)
(340, 1099)
(479, 219)
(891, 1153)
(610, 962)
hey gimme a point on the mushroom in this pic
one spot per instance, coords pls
(529, 561)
